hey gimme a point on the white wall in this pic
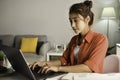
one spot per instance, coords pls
(49, 17)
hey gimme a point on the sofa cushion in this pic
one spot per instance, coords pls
(31, 58)
(28, 45)
(7, 40)
(19, 37)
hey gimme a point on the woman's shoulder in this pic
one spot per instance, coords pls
(99, 36)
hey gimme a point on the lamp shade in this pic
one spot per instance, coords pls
(108, 12)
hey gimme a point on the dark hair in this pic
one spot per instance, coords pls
(84, 9)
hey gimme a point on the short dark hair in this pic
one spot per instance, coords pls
(84, 9)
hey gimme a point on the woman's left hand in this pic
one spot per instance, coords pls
(47, 68)
(53, 68)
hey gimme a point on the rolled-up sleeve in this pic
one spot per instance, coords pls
(64, 58)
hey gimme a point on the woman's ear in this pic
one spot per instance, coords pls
(87, 20)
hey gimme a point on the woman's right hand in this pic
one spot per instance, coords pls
(41, 64)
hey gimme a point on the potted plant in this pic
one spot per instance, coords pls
(1, 57)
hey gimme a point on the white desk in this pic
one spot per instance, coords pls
(69, 76)
(87, 76)
(53, 53)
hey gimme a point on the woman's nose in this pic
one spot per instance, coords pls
(73, 25)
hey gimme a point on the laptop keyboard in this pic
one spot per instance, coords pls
(45, 75)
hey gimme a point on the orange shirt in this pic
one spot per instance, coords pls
(92, 51)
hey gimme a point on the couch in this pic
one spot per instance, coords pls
(15, 41)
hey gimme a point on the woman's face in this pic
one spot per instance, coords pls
(78, 23)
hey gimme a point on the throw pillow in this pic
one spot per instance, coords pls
(39, 44)
(28, 45)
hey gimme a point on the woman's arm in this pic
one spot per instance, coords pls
(75, 68)
(44, 63)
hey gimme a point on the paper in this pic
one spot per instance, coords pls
(68, 76)
(56, 78)
(91, 76)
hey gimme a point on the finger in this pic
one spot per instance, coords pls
(34, 64)
(40, 70)
(48, 69)
(44, 69)
(30, 65)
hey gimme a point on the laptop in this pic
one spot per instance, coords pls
(19, 64)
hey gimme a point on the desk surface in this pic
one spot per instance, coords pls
(92, 76)
(69, 76)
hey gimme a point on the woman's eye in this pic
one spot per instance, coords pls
(75, 20)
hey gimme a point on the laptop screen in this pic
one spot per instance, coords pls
(18, 61)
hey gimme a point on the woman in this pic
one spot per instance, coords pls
(86, 50)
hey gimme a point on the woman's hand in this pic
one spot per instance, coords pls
(44, 67)
(49, 68)
(53, 68)
(41, 64)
